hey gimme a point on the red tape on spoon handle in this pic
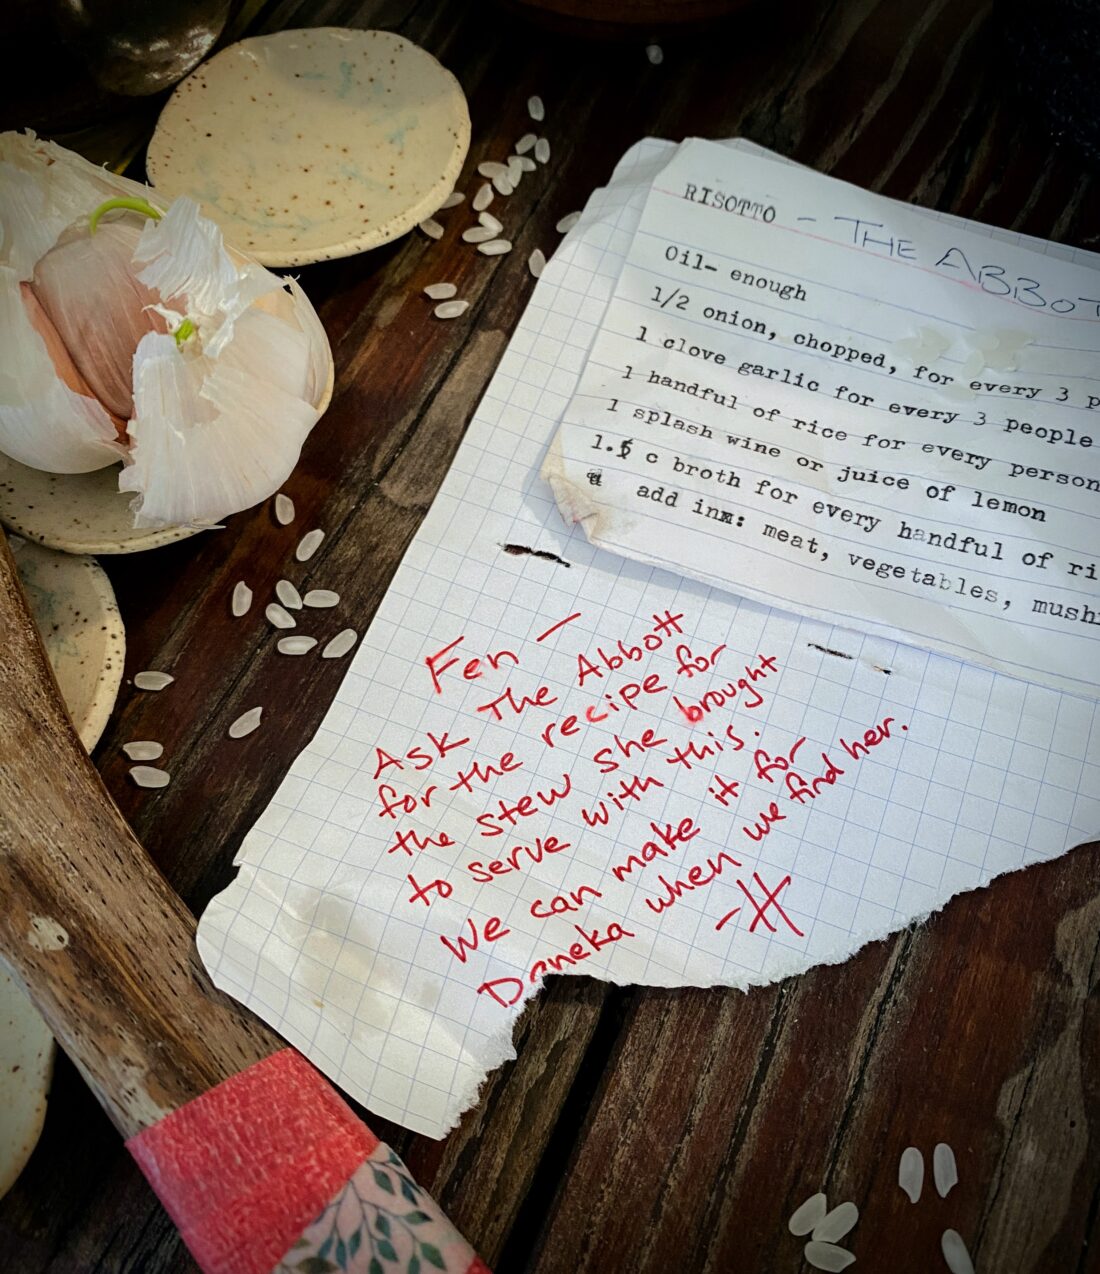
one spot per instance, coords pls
(271, 1168)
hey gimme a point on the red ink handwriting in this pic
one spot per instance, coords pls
(472, 671)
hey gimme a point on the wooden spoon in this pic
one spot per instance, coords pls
(105, 948)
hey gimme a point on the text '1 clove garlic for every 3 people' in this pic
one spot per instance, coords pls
(133, 333)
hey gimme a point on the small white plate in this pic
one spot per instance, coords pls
(313, 144)
(74, 607)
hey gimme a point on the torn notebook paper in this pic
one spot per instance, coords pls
(546, 758)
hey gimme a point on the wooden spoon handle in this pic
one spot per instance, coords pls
(244, 1142)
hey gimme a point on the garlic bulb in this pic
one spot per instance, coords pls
(130, 332)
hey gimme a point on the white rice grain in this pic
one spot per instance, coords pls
(808, 1214)
(526, 163)
(515, 169)
(535, 108)
(490, 168)
(450, 309)
(568, 222)
(431, 228)
(440, 291)
(453, 199)
(321, 598)
(479, 234)
(826, 1256)
(536, 262)
(340, 644)
(655, 54)
(278, 617)
(288, 595)
(284, 509)
(151, 680)
(955, 1253)
(309, 544)
(143, 750)
(150, 776)
(241, 600)
(483, 198)
(835, 1225)
(487, 219)
(495, 247)
(503, 186)
(245, 723)
(911, 1172)
(945, 1171)
(542, 150)
(295, 645)
(525, 143)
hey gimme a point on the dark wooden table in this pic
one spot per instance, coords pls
(638, 1130)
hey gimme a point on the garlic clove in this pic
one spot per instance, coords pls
(45, 189)
(210, 436)
(46, 421)
(99, 309)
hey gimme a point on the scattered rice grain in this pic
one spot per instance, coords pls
(483, 198)
(490, 168)
(526, 163)
(298, 645)
(503, 186)
(450, 309)
(655, 54)
(542, 150)
(309, 544)
(284, 509)
(143, 750)
(245, 723)
(808, 1214)
(151, 680)
(288, 595)
(536, 262)
(479, 234)
(487, 219)
(827, 1256)
(945, 1171)
(440, 291)
(242, 599)
(431, 228)
(568, 222)
(278, 617)
(525, 143)
(955, 1253)
(535, 107)
(495, 247)
(835, 1225)
(340, 644)
(911, 1172)
(322, 597)
(453, 199)
(150, 776)
(515, 169)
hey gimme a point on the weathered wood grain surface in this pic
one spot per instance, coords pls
(637, 1130)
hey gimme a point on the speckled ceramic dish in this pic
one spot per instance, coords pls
(75, 512)
(74, 606)
(307, 145)
(26, 1065)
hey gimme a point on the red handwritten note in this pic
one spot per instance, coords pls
(546, 759)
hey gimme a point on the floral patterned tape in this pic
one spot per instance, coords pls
(271, 1171)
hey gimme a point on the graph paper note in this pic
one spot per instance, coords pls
(545, 758)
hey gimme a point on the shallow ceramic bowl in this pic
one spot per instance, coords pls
(74, 607)
(308, 145)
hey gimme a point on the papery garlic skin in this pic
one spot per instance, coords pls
(207, 424)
